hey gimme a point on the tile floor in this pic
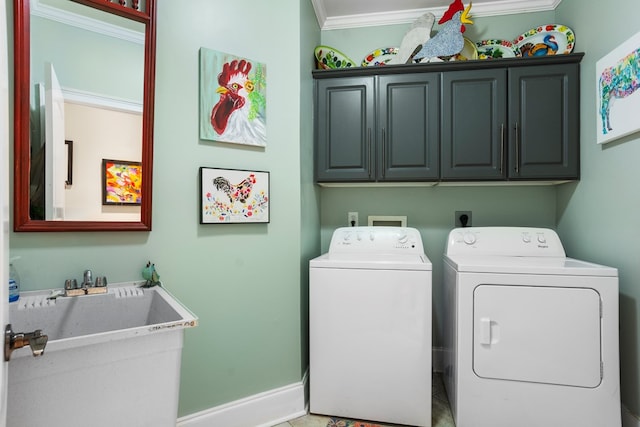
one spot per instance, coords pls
(440, 411)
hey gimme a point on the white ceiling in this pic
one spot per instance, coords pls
(336, 14)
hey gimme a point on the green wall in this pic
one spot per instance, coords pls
(246, 283)
(598, 217)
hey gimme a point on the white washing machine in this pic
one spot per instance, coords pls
(531, 338)
(370, 327)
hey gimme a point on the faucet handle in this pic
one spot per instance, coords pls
(88, 278)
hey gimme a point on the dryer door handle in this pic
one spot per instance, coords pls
(485, 331)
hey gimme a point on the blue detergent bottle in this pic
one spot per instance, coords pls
(14, 282)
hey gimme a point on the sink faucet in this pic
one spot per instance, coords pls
(36, 340)
(87, 287)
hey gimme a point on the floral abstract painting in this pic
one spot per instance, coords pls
(618, 81)
(121, 182)
(233, 196)
(233, 99)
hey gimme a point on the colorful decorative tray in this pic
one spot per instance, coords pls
(380, 56)
(328, 58)
(496, 48)
(550, 39)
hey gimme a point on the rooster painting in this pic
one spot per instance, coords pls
(236, 192)
(234, 195)
(449, 40)
(235, 107)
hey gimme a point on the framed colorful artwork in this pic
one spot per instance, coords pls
(121, 182)
(229, 196)
(618, 81)
(233, 99)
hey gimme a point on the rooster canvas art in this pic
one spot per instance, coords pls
(232, 99)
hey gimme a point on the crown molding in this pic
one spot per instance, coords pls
(492, 8)
(69, 18)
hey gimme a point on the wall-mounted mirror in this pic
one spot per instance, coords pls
(84, 89)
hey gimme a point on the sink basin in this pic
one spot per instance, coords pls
(111, 359)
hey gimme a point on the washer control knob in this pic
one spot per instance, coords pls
(469, 238)
(541, 238)
(526, 238)
(347, 236)
(372, 236)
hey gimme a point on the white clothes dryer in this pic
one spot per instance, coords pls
(370, 327)
(531, 337)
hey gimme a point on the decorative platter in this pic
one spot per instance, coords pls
(496, 48)
(550, 39)
(380, 56)
(328, 58)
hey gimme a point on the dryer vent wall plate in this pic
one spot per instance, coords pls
(386, 221)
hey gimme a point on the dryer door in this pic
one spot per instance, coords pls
(537, 334)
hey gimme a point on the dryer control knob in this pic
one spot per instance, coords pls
(372, 236)
(469, 238)
(403, 238)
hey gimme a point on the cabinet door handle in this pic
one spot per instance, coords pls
(384, 152)
(501, 146)
(517, 166)
(369, 148)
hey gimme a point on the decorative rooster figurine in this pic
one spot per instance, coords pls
(235, 116)
(549, 46)
(151, 276)
(449, 40)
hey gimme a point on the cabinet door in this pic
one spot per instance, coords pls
(543, 115)
(344, 125)
(474, 120)
(408, 127)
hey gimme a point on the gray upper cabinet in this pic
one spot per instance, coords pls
(344, 122)
(474, 110)
(516, 123)
(378, 128)
(544, 126)
(493, 120)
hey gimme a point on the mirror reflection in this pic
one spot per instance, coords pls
(86, 105)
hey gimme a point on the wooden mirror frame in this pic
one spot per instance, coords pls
(22, 158)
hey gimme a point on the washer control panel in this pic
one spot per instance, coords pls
(505, 241)
(376, 239)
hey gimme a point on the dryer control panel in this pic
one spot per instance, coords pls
(405, 240)
(505, 241)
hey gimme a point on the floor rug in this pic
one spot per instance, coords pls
(339, 422)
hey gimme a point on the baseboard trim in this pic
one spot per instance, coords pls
(629, 419)
(261, 410)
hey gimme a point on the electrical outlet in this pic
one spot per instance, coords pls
(352, 219)
(463, 219)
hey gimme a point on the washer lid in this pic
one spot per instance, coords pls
(372, 261)
(528, 265)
